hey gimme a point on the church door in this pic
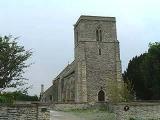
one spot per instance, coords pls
(101, 96)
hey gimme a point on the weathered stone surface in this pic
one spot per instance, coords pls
(137, 110)
(24, 112)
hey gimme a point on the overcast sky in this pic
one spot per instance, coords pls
(46, 26)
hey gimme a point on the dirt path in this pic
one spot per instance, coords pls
(57, 115)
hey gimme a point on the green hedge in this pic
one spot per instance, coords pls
(9, 97)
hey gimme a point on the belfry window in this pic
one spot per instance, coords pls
(99, 51)
(99, 34)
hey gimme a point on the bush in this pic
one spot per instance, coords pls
(6, 98)
(9, 97)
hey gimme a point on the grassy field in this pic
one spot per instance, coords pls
(94, 114)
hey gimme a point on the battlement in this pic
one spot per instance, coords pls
(96, 18)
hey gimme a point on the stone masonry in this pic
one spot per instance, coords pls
(96, 65)
(137, 111)
(24, 112)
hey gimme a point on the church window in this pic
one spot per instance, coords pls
(99, 51)
(50, 97)
(77, 36)
(99, 34)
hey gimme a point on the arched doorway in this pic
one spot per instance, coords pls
(101, 96)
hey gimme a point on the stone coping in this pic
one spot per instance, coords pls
(70, 103)
(139, 103)
(24, 104)
(134, 103)
(88, 17)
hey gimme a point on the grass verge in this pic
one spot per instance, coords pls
(93, 114)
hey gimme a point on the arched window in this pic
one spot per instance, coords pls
(101, 96)
(99, 34)
(50, 97)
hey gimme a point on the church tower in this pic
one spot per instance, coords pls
(97, 58)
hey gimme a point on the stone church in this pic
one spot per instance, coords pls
(96, 64)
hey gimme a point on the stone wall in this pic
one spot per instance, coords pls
(67, 106)
(63, 87)
(137, 110)
(73, 106)
(55, 91)
(66, 84)
(24, 112)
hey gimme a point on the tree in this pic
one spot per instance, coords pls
(12, 62)
(10, 97)
(144, 73)
(120, 91)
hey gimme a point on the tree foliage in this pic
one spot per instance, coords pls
(144, 73)
(12, 63)
(10, 97)
(120, 91)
